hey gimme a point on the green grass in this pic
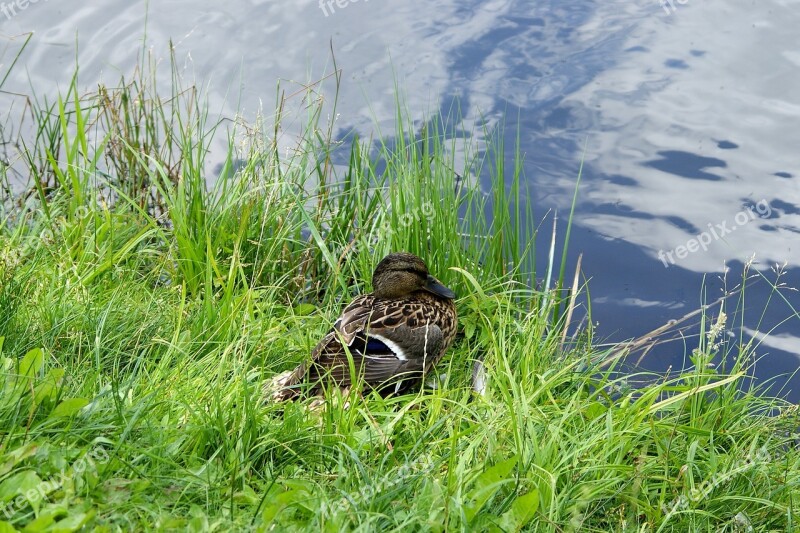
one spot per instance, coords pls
(141, 310)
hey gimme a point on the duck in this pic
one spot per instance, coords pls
(395, 335)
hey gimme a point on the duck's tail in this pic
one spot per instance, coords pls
(284, 386)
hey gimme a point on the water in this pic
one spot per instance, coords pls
(688, 113)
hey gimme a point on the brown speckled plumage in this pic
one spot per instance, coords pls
(395, 334)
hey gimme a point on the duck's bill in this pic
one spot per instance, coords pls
(434, 285)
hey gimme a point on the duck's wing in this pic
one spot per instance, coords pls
(389, 340)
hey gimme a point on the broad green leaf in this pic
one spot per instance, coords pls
(14, 457)
(198, 520)
(24, 484)
(73, 521)
(31, 362)
(594, 410)
(486, 485)
(304, 309)
(48, 387)
(46, 518)
(469, 329)
(281, 502)
(522, 511)
(298, 493)
(69, 407)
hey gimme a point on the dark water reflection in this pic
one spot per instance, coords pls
(689, 118)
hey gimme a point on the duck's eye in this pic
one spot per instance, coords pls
(414, 271)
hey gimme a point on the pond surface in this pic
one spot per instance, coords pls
(688, 111)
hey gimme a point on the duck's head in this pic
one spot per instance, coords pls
(401, 273)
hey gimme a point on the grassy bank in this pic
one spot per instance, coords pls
(141, 310)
